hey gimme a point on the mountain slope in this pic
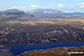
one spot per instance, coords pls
(54, 13)
(14, 12)
(44, 12)
(54, 52)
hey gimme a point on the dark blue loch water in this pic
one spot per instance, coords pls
(19, 48)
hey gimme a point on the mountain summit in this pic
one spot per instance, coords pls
(44, 12)
(14, 13)
(53, 13)
(12, 10)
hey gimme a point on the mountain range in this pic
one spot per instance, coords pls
(14, 12)
(40, 13)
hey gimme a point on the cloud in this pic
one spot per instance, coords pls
(82, 5)
(60, 5)
(18, 7)
(34, 6)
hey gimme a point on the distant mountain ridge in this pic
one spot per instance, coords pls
(14, 12)
(53, 13)
(44, 12)
(40, 13)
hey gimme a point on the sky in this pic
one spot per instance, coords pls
(26, 5)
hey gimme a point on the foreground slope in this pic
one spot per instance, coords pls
(54, 52)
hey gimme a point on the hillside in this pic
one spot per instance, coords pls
(54, 52)
(18, 27)
(14, 13)
(32, 30)
(53, 13)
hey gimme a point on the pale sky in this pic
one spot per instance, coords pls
(26, 5)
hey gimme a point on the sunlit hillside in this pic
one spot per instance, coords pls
(54, 52)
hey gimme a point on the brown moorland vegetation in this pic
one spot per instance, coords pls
(54, 52)
(30, 30)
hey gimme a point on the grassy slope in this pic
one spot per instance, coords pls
(53, 52)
